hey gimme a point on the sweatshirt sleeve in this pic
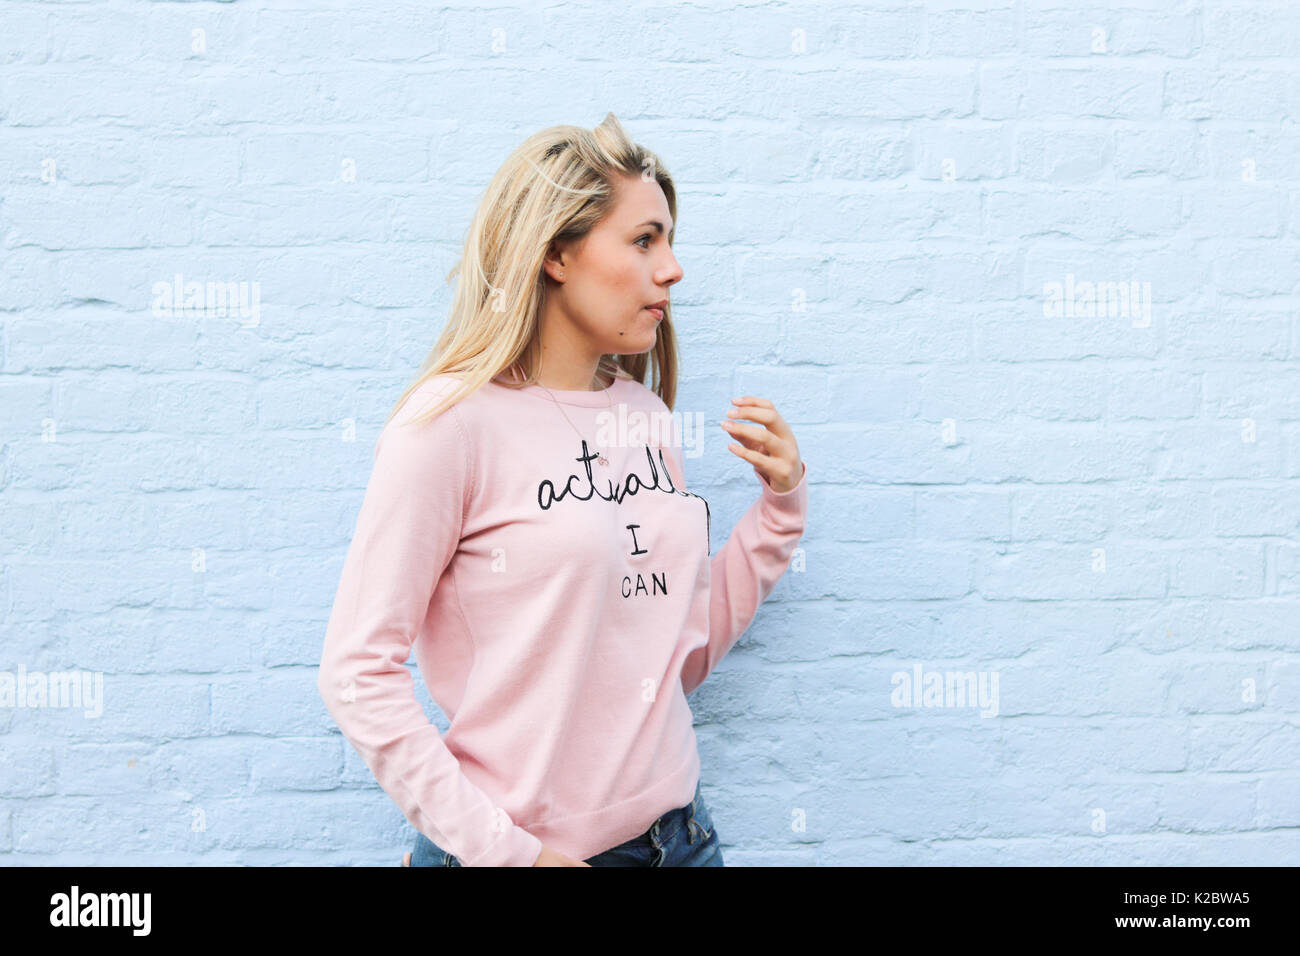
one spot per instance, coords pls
(744, 571)
(407, 531)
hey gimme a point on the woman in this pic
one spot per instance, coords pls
(543, 559)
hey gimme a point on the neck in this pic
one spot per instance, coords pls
(567, 360)
(591, 384)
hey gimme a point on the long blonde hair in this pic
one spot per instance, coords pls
(555, 186)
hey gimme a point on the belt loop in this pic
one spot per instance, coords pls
(690, 816)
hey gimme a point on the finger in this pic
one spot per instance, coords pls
(765, 414)
(751, 400)
(752, 436)
(756, 413)
(771, 467)
(758, 459)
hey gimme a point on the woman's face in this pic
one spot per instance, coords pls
(608, 280)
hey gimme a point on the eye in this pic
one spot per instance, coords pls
(646, 236)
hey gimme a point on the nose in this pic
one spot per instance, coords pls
(672, 272)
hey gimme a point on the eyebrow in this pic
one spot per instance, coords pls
(651, 222)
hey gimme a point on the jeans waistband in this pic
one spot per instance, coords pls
(671, 823)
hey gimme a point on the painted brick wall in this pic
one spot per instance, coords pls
(1021, 275)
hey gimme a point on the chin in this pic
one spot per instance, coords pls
(634, 345)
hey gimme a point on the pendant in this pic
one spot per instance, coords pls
(601, 459)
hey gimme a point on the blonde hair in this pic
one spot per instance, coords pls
(555, 186)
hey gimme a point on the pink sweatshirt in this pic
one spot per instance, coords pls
(560, 611)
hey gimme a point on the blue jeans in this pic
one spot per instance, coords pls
(681, 837)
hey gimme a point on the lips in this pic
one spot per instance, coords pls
(657, 313)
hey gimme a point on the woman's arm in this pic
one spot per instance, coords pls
(407, 531)
(743, 572)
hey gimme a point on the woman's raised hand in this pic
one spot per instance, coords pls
(769, 446)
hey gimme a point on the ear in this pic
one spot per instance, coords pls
(554, 262)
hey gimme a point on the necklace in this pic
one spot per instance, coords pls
(600, 457)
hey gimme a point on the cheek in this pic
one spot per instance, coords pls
(625, 285)
(613, 298)
(627, 279)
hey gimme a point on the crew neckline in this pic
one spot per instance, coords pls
(598, 399)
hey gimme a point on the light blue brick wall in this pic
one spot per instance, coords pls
(1099, 510)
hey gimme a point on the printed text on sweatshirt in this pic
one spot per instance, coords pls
(560, 612)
